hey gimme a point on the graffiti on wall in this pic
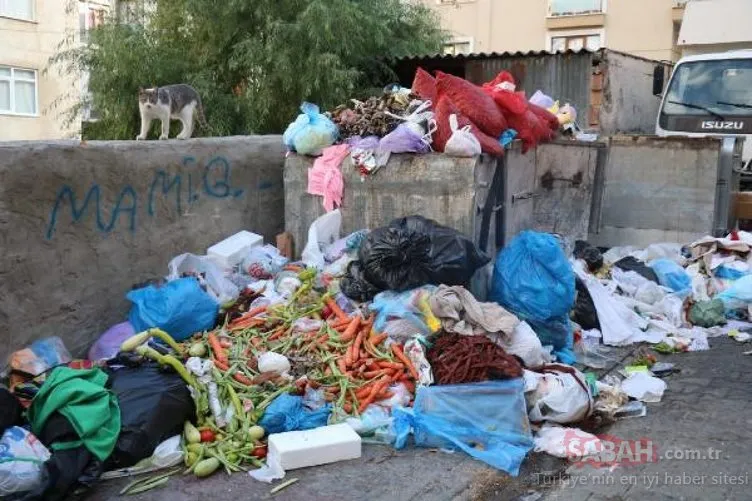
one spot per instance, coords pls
(179, 191)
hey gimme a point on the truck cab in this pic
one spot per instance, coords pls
(709, 95)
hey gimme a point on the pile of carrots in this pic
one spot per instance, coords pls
(353, 364)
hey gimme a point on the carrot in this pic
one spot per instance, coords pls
(356, 346)
(364, 391)
(384, 395)
(378, 339)
(373, 374)
(368, 324)
(240, 378)
(348, 357)
(277, 334)
(347, 407)
(352, 328)
(323, 339)
(332, 304)
(253, 312)
(378, 388)
(397, 350)
(397, 376)
(225, 343)
(219, 352)
(391, 365)
(363, 354)
(328, 371)
(341, 364)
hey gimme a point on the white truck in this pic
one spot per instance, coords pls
(708, 95)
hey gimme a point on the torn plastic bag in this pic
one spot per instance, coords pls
(322, 233)
(524, 343)
(263, 263)
(22, 458)
(673, 276)
(560, 394)
(41, 356)
(485, 420)
(534, 280)
(287, 413)
(584, 310)
(311, 132)
(208, 273)
(631, 263)
(738, 296)
(108, 344)
(154, 405)
(566, 443)
(181, 308)
(415, 251)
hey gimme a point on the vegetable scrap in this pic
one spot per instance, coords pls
(459, 359)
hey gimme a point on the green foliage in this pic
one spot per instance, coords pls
(253, 62)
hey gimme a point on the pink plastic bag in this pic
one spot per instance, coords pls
(325, 178)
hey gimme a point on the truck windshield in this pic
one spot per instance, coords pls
(720, 88)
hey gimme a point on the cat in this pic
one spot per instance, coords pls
(176, 102)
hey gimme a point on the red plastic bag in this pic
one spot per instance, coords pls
(424, 85)
(473, 102)
(443, 109)
(510, 102)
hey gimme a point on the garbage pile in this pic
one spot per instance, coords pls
(445, 114)
(243, 360)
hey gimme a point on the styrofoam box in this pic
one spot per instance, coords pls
(232, 250)
(328, 444)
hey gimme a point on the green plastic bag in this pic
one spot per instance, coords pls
(708, 313)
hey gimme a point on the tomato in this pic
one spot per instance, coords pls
(259, 452)
(208, 436)
(326, 312)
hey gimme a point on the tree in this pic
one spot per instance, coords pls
(252, 61)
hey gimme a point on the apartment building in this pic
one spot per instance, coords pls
(646, 28)
(32, 100)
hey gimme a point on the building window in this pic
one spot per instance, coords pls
(18, 91)
(574, 7)
(17, 9)
(575, 42)
(458, 46)
(89, 17)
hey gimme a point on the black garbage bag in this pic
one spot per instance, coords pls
(591, 255)
(355, 286)
(10, 410)
(414, 251)
(630, 263)
(154, 406)
(67, 470)
(584, 312)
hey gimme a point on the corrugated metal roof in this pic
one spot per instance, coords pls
(491, 55)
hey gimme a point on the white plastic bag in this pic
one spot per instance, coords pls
(526, 344)
(273, 362)
(566, 443)
(620, 325)
(167, 454)
(208, 273)
(22, 457)
(561, 395)
(462, 143)
(323, 232)
(644, 387)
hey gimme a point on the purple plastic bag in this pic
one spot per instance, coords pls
(403, 139)
(363, 143)
(108, 344)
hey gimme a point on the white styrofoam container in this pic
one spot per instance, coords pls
(232, 250)
(328, 444)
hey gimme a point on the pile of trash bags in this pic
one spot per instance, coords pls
(379, 330)
(445, 114)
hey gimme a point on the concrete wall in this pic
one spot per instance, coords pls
(628, 104)
(448, 190)
(81, 223)
(657, 190)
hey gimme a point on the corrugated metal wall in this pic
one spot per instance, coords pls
(565, 77)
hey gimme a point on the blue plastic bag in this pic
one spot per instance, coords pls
(389, 305)
(180, 308)
(673, 276)
(739, 295)
(486, 420)
(286, 413)
(311, 132)
(534, 280)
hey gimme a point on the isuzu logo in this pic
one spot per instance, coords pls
(710, 124)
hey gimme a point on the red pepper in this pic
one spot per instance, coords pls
(208, 436)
